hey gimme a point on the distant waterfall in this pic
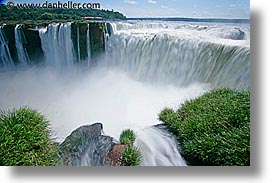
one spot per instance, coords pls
(57, 45)
(5, 56)
(181, 54)
(78, 44)
(20, 42)
(88, 45)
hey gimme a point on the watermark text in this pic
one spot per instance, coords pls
(53, 5)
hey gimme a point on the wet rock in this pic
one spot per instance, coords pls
(86, 146)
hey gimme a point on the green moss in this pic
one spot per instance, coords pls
(33, 44)
(213, 129)
(9, 32)
(25, 139)
(96, 31)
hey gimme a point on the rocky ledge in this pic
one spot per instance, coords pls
(86, 146)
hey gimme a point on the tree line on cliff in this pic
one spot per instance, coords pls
(15, 14)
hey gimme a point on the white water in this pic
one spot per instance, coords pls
(57, 45)
(78, 44)
(5, 56)
(20, 40)
(181, 54)
(88, 44)
(147, 67)
(158, 148)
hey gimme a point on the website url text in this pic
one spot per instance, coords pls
(56, 5)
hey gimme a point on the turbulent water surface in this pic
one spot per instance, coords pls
(146, 66)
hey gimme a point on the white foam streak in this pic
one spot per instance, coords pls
(88, 45)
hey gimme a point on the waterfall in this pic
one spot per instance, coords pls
(88, 42)
(78, 44)
(158, 148)
(5, 56)
(20, 42)
(175, 62)
(57, 45)
(180, 54)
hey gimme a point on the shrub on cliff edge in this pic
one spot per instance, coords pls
(213, 129)
(25, 139)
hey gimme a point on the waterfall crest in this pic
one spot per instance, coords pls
(179, 56)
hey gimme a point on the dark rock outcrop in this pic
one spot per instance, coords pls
(86, 147)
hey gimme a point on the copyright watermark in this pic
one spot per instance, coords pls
(9, 4)
(55, 5)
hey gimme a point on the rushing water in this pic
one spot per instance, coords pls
(20, 41)
(182, 54)
(147, 66)
(57, 45)
(5, 56)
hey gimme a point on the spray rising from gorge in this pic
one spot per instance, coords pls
(145, 67)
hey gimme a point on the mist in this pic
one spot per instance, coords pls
(69, 99)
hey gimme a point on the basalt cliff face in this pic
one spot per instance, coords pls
(28, 43)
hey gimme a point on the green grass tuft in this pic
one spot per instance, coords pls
(131, 156)
(213, 129)
(127, 137)
(25, 140)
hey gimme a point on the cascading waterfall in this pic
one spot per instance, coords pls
(172, 54)
(158, 148)
(78, 44)
(5, 56)
(88, 45)
(20, 41)
(57, 45)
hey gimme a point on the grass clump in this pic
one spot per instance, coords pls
(213, 129)
(25, 139)
(127, 137)
(131, 155)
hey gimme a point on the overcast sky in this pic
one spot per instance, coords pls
(173, 8)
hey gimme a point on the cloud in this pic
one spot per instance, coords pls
(130, 2)
(218, 6)
(164, 7)
(152, 1)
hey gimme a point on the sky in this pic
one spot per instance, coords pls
(172, 8)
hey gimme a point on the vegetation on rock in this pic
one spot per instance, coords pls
(127, 137)
(25, 139)
(213, 129)
(131, 155)
(54, 14)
